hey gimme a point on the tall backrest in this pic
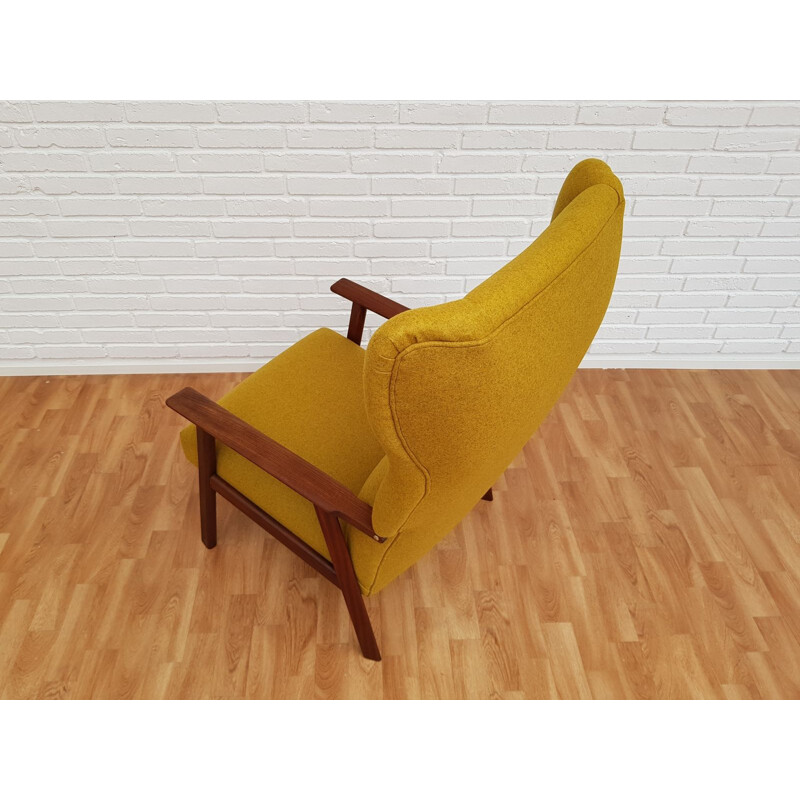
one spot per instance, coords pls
(454, 391)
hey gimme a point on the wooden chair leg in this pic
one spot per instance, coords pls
(340, 557)
(206, 467)
(488, 496)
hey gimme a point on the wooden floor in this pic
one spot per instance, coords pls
(646, 544)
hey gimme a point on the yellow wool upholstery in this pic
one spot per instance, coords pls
(454, 391)
(309, 399)
(449, 394)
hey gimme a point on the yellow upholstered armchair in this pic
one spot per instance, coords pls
(360, 461)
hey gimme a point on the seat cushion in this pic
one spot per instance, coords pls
(310, 399)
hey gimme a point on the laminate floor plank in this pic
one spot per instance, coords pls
(644, 544)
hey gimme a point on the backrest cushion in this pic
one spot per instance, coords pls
(454, 391)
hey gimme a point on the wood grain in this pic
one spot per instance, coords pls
(645, 544)
(364, 300)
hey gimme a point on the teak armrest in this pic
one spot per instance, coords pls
(364, 300)
(325, 492)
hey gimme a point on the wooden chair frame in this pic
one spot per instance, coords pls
(332, 500)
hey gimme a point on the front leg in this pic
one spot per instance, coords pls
(206, 467)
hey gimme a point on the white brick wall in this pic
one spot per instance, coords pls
(188, 236)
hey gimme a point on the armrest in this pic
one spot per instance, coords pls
(289, 468)
(368, 299)
(364, 300)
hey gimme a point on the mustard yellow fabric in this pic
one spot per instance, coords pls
(309, 399)
(444, 397)
(454, 391)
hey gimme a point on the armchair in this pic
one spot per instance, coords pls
(360, 461)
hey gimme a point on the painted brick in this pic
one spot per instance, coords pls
(24, 206)
(346, 206)
(533, 114)
(783, 165)
(203, 231)
(60, 137)
(781, 283)
(505, 184)
(444, 113)
(738, 186)
(14, 112)
(480, 228)
(685, 348)
(425, 207)
(671, 139)
(250, 228)
(728, 164)
(42, 162)
(774, 264)
(170, 227)
(330, 228)
(150, 137)
(132, 162)
(219, 162)
(180, 206)
(77, 112)
(416, 229)
(385, 162)
(711, 114)
(479, 162)
(789, 186)
(510, 207)
(781, 227)
(233, 249)
(469, 249)
(758, 139)
(71, 184)
(620, 114)
(14, 184)
(314, 137)
(99, 207)
(25, 228)
(768, 247)
(392, 249)
(649, 162)
(662, 185)
(354, 112)
(723, 227)
(726, 265)
(726, 283)
(306, 162)
(740, 316)
(262, 112)
(498, 139)
(265, 207)
(241, 184)
(161, 184)
(747, 332)
(327, 185)
(750, 208)
(642, 226)
(402, 185)
(583, 139)
(669, 206)
(153, 248)
(416, 139)
(254, 138)
(170, 112)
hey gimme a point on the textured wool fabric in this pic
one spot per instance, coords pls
(445, 397)
(454, 391)
(310, 399)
